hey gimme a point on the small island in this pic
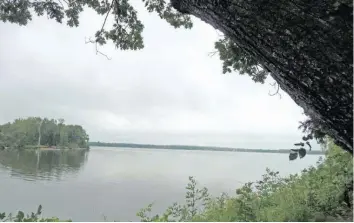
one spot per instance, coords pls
(42, 133)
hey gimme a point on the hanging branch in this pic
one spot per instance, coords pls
(96, 48)
(277, 91)
(100, 32)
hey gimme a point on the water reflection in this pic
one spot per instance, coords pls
(43, 165)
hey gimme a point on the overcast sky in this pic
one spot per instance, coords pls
(169, 92)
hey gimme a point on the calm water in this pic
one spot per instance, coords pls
(116, 182)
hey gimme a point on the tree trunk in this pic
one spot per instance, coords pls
(39, 132)
(305, 44)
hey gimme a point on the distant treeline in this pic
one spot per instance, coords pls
(34, 131)
(184, 147)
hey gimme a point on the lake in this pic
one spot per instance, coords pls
(117, 182)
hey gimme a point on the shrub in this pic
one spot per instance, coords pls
(320, 193)
(33, 217)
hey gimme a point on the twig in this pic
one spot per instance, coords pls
(97, 51)
(220, 34)
(61, 3)
(67, 3)
(273, 84)
(101, 31)
(211, 54)
(117, 5)
(96, 48)
(308, 143)
(105, 19)
(277, 91)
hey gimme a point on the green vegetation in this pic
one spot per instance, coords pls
(33, 217)
(36, 132)
(125, 31)
(321, 193)
(209, 148)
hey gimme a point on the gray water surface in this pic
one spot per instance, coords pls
(117, 182)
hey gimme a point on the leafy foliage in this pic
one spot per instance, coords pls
(321, 193)
(236, 59)
(23, 133)
(33, 217)
(195, 198)
(126, 31)
(312, 129)
(293, 155)
(301, 152)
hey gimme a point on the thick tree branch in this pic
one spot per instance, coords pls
(307, 46)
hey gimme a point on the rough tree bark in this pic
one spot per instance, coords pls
(305, 44)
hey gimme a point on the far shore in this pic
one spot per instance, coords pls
(44, 148)
(56, 149)
(197, 148)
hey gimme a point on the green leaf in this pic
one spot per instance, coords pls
(20, 216)
(299, 144)
(292, 156)
(302, 153)
(39, 210)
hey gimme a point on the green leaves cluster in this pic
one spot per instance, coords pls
(295, 153)
(126, 31)
(301, 152)
(33, 217)
(194, 199)
(234, 58)
(22, 133)
(320, 193)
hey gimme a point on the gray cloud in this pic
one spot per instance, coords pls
(171, 91)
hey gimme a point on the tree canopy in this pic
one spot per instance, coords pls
(305, 46)
(35, 131)
(126, 31)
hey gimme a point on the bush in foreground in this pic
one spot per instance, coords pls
(320, 193)
(33, 217)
